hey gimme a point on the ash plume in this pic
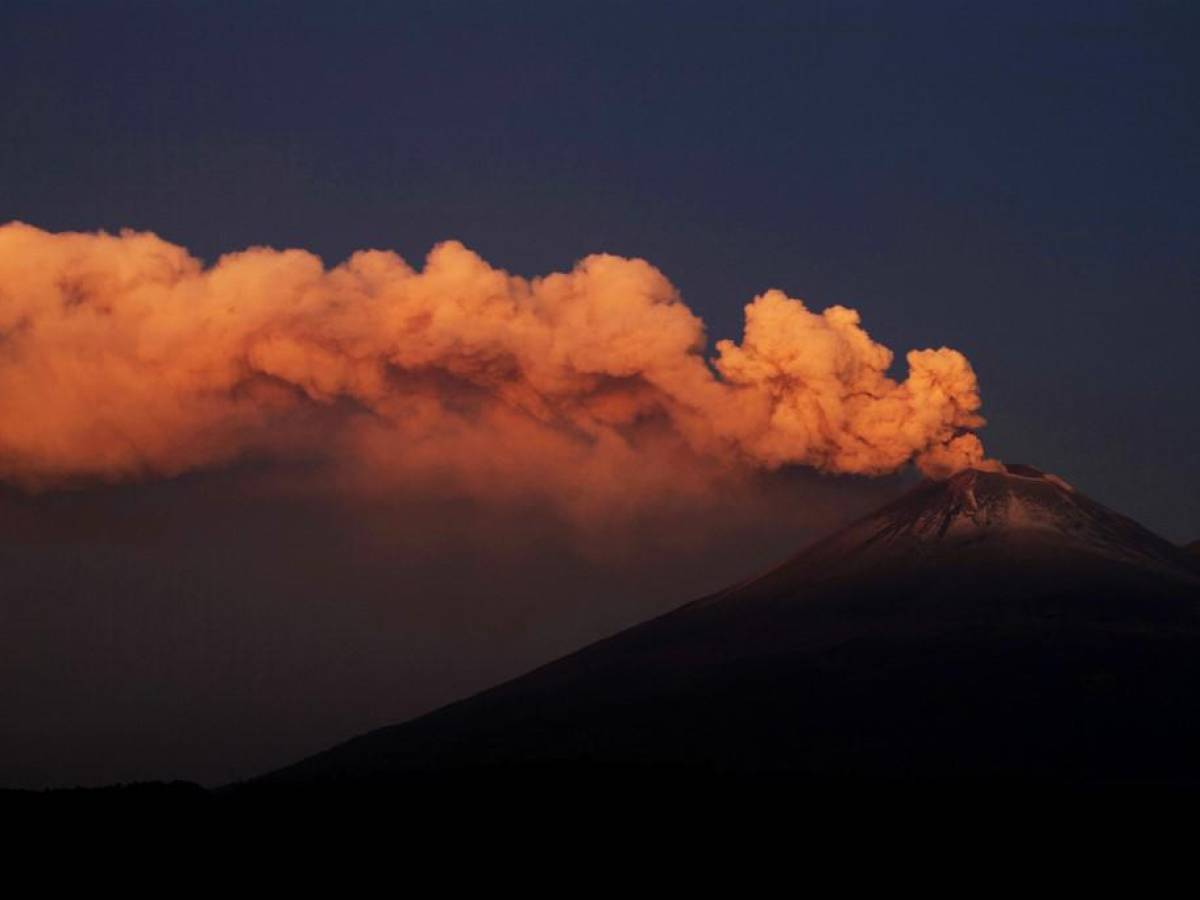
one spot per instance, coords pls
(122, 357)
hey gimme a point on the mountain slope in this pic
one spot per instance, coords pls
(997, 625)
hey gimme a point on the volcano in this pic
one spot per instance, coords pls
(995, 626)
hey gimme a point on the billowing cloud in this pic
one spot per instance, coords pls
(123, 357)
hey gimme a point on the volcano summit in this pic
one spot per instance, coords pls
(996, 626)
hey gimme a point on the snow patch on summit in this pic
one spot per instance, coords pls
(1016, 506)
(1005, 508)
(1016, 500)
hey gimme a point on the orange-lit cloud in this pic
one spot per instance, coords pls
(123, 357)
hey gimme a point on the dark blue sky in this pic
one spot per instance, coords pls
(1020, 181)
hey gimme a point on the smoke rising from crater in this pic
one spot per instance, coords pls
(122, 357)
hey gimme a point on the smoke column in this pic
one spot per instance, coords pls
(122, 357)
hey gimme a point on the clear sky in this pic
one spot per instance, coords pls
(1016, 180)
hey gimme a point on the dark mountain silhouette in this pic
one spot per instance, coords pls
(996, 626)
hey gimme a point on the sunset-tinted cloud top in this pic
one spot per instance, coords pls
(123, 357)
